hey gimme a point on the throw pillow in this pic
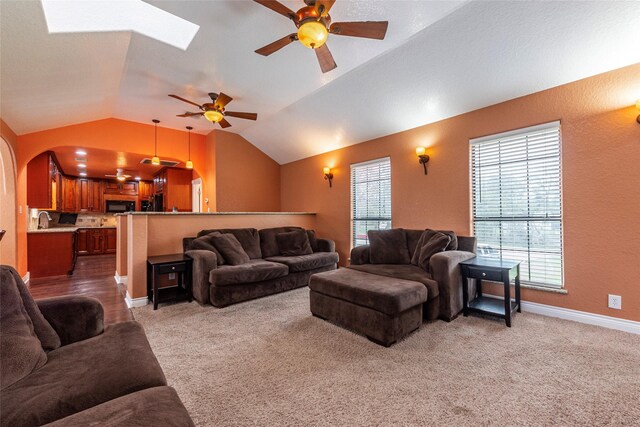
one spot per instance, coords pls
(453, 245)
(230, 248)
(205, 243)
(388, 246)
(437, 243)
(293, 243)
(20, 349)
(313, 240)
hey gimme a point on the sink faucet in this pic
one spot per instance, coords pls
(46, 224)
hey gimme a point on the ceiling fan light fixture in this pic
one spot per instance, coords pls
(313, 34)
(213, 116)
(121, 178)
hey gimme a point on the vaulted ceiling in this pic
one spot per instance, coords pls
(439, 59)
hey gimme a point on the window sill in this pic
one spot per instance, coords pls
(560, 291)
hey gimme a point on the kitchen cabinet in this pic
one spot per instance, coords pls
(42, 173)
(123, 188)
(69, 193)
(50, 253)
(145, 190)
(90, 195)
(174, 185)
(96, 241)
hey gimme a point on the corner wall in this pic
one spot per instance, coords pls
(601, 183)
(8, 196)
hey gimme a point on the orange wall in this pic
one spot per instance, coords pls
(8, 208)
(601, 183)
(113, 134)
(247, 180)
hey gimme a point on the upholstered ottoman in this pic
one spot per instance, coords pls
(384, 309)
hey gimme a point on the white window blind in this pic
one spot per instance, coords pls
(370, 198)
(517, 200)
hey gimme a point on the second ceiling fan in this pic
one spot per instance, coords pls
(214, 111)
(314, 26)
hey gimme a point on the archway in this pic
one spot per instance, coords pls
(8, 247)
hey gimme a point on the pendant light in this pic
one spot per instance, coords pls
(189, 164)
(155, 160)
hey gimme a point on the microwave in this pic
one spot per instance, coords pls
(120, 206)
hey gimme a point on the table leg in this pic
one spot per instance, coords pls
(507, 301)
(518, 289)
(479, 288)
(189, 284)
(155, 288)
(465, 295)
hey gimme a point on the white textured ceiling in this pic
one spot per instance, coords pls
(439, 59)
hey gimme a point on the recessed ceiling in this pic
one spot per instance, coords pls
(439, 59)
(104, 162)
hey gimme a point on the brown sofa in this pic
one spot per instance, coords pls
(60, 365)
(267, 272)
(443, 280)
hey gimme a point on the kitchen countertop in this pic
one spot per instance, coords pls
(64, 229)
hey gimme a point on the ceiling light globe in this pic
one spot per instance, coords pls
(155, 161)
(420, 151)
(213, 116)
(189, 164)
(121, 178)
(312, 34)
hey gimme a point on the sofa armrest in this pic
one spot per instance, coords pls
(203, 262)
(360, 255)
(326, 245)
(74, 318)
(446, 271)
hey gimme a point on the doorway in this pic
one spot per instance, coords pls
(196, 195)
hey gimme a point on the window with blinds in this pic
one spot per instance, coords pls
(370, 198)
(517, 201)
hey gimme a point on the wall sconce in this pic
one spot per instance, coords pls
(327, 174)
(638, 107)
(423, 158)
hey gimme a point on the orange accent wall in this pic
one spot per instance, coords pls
(247, 180)
(8, 196)
(601, 183)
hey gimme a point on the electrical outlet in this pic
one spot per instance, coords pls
(172, 276)
(615, 301)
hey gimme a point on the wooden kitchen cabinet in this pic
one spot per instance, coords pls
(122, 188)
(175, 186)
(50, 253)
(42, 171)
(90, 195)
(69, 191)
(110, 240)
(96, 241)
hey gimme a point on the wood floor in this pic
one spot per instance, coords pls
(93, 277)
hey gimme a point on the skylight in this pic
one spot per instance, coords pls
(75, 16)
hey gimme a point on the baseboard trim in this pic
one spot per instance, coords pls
(121, 280)
(27, 278)
(579, 316)
(135, 302)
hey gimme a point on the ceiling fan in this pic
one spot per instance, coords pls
(314, 25)
(214, 111)
(120, 175)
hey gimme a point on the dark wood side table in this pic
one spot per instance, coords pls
(496, 270)
(179, 264)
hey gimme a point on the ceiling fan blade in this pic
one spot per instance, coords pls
(189, 114)
(323, 6)
(325, 58)
(279, 8)
(224, 124)
(222, 100)
(248, 116)
(277, 45)
(185, 100)
(368, 29)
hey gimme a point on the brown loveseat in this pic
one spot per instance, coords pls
(266, 272)
(60, 365)
(443, 280)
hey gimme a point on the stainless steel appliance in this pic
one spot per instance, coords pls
(146, 206)
(120, 206)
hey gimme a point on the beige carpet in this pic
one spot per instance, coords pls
(269, 362)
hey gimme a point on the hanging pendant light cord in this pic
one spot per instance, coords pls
(155, 140)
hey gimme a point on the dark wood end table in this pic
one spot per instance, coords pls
(496, 270)
(180, 264)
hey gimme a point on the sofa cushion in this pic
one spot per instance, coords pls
(306, 262)
(256, 270)
(159, 406)
(388, 246)
(437, 243)
(406, 272)
(385, 294)
(268, 242)
(20, 349)
(313, 240)
(248, 238)
(206, 243)
(82, 375)
(293, 243)
(413, 238)
(230, 248)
